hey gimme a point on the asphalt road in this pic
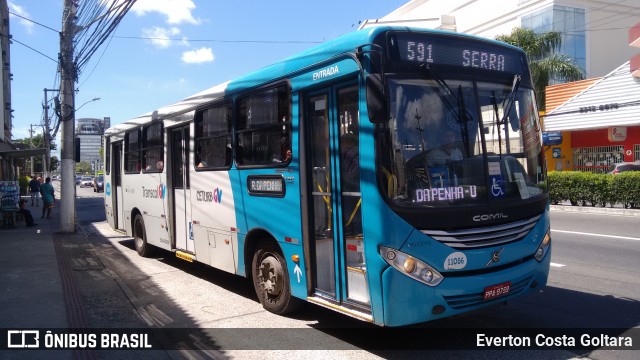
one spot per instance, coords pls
(593, 284)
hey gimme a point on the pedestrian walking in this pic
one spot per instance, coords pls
(48, 197)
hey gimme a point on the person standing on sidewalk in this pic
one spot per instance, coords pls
(34, 187)
(48, 197)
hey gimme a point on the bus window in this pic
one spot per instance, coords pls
(132, 152)
(152, 148)
(263, 128)
(213, 137)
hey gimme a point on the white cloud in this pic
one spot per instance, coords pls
(176, 11)
(160, 37)
(17, 9)
(199, 56)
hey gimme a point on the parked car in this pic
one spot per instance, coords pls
(624, 166)
(78, 179)
(98, 183)
(86, 181)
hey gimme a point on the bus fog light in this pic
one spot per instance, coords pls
(410, 266)
(426, 275)
(543, 248)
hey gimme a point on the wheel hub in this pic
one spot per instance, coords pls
(270, 273)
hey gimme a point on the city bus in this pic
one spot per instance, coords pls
(395, 175)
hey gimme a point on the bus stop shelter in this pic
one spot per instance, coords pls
(9, 160)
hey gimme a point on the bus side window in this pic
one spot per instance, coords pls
(213, 137)
(263, 126)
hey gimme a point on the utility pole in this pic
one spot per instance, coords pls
(31, 146)
(67, 114)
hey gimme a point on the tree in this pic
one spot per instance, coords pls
(544, 62)
(84, 168)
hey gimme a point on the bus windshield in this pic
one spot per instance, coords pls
(460, 142)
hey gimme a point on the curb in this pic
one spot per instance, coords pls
(596, 210)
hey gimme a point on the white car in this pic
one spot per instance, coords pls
(86, 181)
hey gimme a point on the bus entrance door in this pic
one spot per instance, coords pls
(117, 196)
(179, 190)
(336, 241)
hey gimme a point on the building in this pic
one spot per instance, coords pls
(593, 33)
(599, 125)
(5, 92)
(90, 132)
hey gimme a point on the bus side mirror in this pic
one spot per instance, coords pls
(376, 99)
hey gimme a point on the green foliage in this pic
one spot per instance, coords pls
(23, 183)
(626, 187)
(582, 188)
(84, 168)
(544, 61)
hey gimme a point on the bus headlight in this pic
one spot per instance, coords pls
(411, 266)
(544, 247)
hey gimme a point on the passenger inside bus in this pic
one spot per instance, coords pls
(446, 152)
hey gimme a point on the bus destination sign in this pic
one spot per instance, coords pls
(266, 185)
(457, 52)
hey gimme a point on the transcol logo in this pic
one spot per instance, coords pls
(158, 193)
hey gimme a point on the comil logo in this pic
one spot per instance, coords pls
(157, 193)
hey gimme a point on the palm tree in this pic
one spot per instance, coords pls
(543, 61)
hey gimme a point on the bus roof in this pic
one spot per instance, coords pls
(342, 45)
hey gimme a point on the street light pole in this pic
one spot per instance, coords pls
(94, 99)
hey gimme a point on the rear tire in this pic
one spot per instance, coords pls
(271, 281)
(140, 237)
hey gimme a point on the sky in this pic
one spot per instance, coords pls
(166, 50)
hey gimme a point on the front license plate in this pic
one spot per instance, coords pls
(494, 291)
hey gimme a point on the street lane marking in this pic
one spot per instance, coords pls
(592, 234)
(557, 265)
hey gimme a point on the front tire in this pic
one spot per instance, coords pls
(140, 237)
(271, 281)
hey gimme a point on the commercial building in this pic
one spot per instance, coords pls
(598, 119)
(90, 132)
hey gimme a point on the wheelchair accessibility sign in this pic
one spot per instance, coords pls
(497, 186)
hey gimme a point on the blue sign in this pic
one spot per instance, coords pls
(108, 189)
(550, 138)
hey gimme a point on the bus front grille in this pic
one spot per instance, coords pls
(486, 236)
(467, 300)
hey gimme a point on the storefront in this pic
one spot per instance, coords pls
(599, 123)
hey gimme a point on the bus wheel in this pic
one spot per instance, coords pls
(140, 236)
(271, 281)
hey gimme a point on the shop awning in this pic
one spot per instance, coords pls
(614, 100)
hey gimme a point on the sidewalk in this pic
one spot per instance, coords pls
(32, 292)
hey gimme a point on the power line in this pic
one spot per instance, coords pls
(35, 22)
(29, 47)
(222, 41)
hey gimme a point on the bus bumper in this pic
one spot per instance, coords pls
(407, 301)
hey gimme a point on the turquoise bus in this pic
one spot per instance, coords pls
(395, 175)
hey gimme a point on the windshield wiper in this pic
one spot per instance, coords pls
(442, 84)
(497, 119)
(461, 107)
